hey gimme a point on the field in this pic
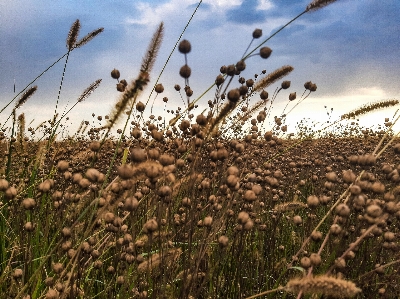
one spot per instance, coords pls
(206, 204)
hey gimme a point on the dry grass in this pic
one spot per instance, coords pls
(217, 204)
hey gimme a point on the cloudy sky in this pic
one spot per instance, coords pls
(350, 49)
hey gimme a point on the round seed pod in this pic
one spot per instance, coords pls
(312, 201)
(249, 196)
(297, 220)
(184, 46)
(62, 165)
(140, 106)
(121, 87)
(29, 226)
(138, 155)
(249, 82)
(243, 217)
(285, 84)
(292, 96)
(264, 95)
(115, 74)
(234, 95)
(185, 71)
(125, 171)
(343, 210)
(207, 222)
(374, 211)
(219, 80)
(265, 52)
(51, 294)
(11, 192)
(3, 185)
(131, 204)
(223, 241)
(28, 203)
(150, 226)
(257, 33)
(241, 66)
(305, 262)
(159, 88)
(315, 259)
(231, 70)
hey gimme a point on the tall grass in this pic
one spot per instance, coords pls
(206, 204)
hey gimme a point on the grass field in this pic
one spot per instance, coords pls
(209, 203)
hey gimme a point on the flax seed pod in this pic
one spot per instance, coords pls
(265, 52)
(184, 46)
(185, 71)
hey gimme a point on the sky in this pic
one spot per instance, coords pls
(349, 48)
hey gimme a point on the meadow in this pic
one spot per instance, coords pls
(209, 203)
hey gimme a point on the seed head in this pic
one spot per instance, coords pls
(28, 203)
(223, 241)
(297, 220)
(159, 88)
(264, 95)
(184, 46)
(257, 33)
(241, 66)
(185, 71)
(115, 74)
(285, 84)
(312, 201)
(243, 217)
(292, 96)
(343, 210)
(207, 222)
(265, 52)
(150, 226)
(234, 95)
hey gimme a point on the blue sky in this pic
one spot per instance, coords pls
(350, 49)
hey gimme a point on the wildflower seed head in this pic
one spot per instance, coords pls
(312, 201)
(28, 203)
(374, 211)
(285, 84)
(264, 95)
(316, 235)
(297, 220)
(265, 52)
(257, 33)
(243, 217)
(150, 226)
(138, 155)
(343, 210)
(234, 95)
(185, 71)
(121, 87)
(62, 165)
(223, 241)
(231, 70)
(115, 74)
(140, 106)
(240, 66)
(58, 267)
(159, 88)
(315, 259)
(29, 226)
(292, 96)
(335, 229)
(305, 262)
(207, 222)
(3, 185)
(184, 46)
